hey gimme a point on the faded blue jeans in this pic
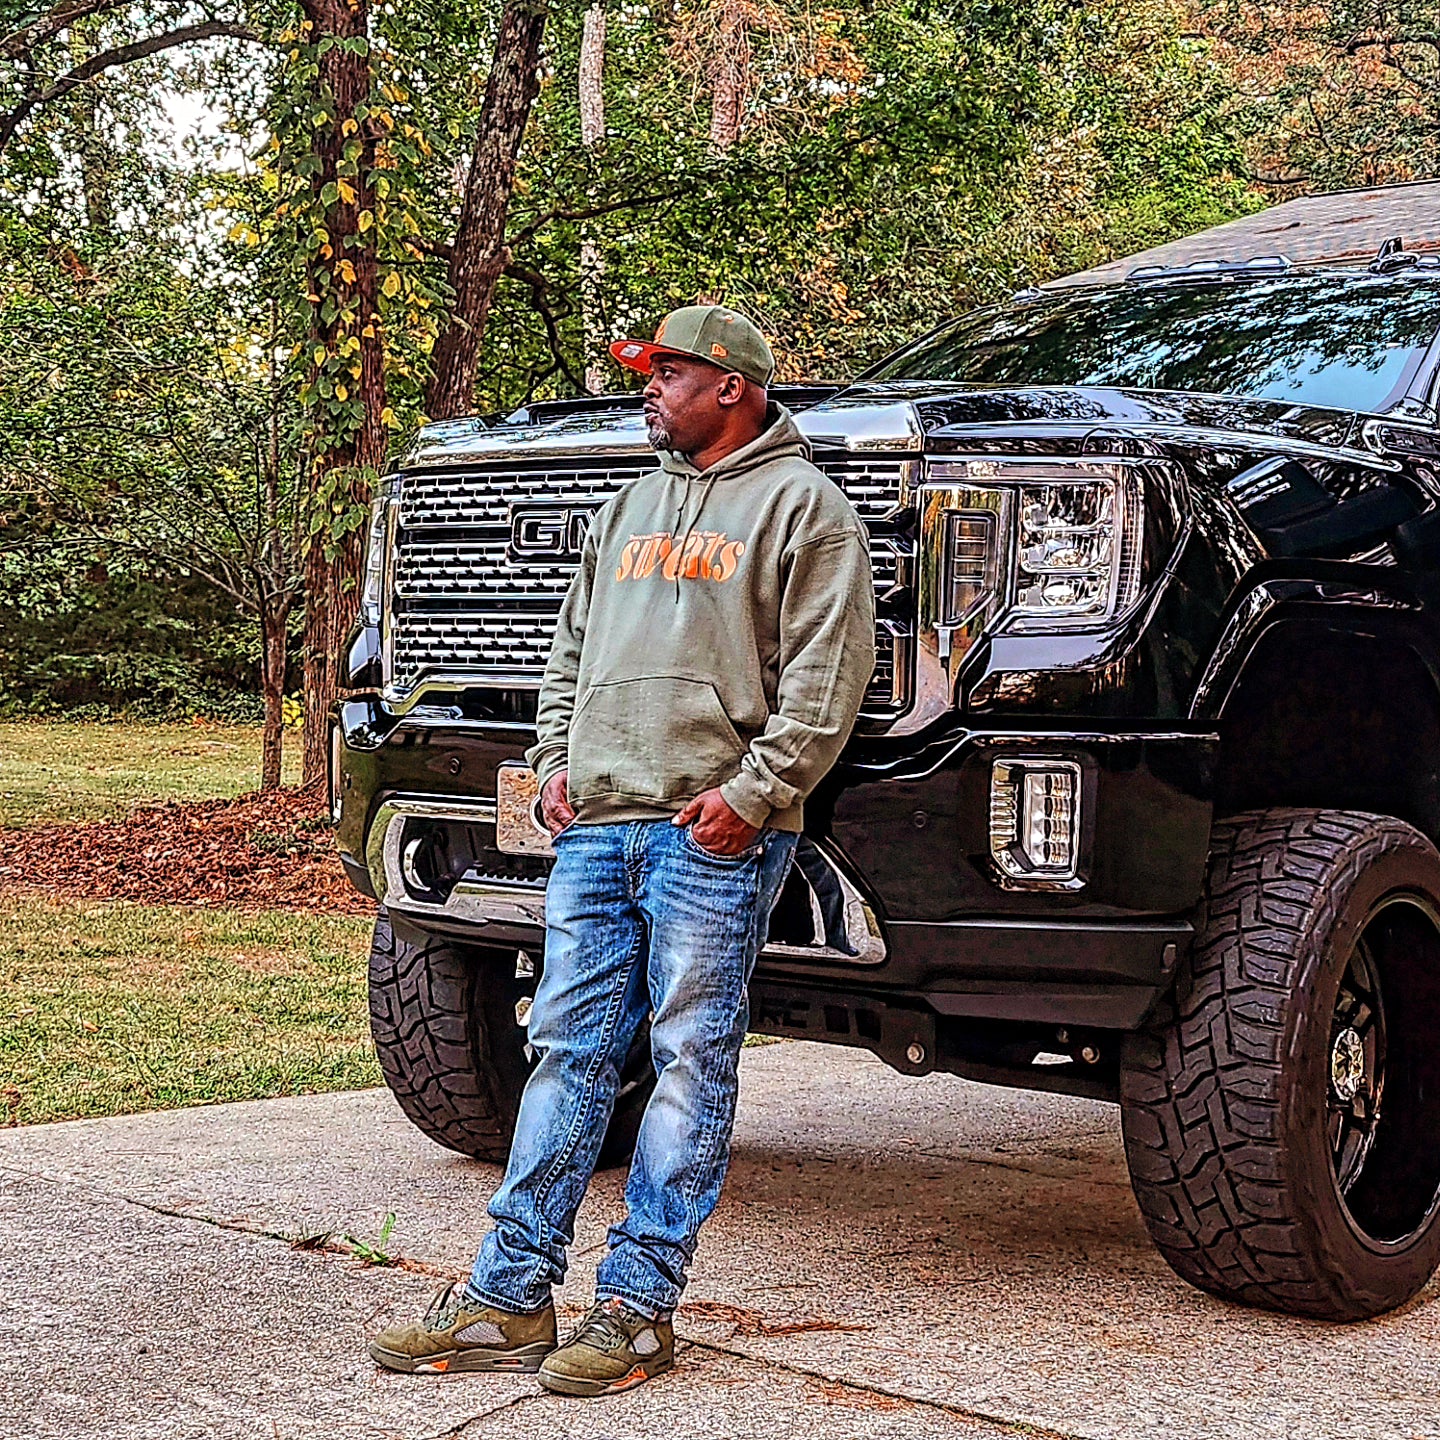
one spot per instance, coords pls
(640, 920)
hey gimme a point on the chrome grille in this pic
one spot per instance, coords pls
(473, 639)
(484, 496)
(465, 567)
(461, 568)
(459, 604)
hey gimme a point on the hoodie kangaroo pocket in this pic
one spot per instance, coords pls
(662, 738)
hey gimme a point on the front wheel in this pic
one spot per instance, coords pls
(1282, 1112)
(449, 1022)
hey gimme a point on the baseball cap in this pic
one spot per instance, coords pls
(713, 333)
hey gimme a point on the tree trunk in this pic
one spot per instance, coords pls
(592, 133)
(478, 255)
(346, 271)
(95, 154)
(275, 580)
(274, 620)
(729, 71)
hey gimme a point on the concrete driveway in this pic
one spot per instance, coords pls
(892, 1258)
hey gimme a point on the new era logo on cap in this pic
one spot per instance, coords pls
(697, 330)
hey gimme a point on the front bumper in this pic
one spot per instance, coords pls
(906, 824)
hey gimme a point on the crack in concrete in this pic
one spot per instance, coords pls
(969, 1157)
(1014, 1427)
(74, 1184)
(323, 1245)
(960, 1412)
(461, 1426)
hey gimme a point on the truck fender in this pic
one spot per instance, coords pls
(1377, 605)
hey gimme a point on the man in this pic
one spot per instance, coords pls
(708, 664)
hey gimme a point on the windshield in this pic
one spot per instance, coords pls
(1350, 342)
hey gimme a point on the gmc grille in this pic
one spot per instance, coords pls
(461, 600)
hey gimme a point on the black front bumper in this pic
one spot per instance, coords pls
(908, 821)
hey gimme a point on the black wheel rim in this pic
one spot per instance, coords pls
(1382, 1076)
(1357, 1068)
(636, 1074)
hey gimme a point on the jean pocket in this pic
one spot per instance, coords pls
(687, 838)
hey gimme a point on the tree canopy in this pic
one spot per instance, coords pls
(247, 246)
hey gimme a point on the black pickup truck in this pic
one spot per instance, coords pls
(1143, 801)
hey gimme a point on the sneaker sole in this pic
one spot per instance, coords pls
(471, 1361)
(562, 1384)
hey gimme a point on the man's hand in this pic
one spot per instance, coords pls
(717, 827)
(555, 808)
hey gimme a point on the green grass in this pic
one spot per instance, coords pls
(62, 771)
(106, 1009)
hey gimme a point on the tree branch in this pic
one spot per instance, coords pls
(1256, 178)
(1391, 42)
(589, 212)
(121, 55)
(539, 290)
(50, 24)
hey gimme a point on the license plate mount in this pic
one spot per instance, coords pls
(518, 827)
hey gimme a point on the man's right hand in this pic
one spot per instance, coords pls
(555, 808)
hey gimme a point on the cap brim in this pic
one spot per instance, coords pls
(640, 355)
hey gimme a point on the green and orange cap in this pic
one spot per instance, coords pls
(712, 333)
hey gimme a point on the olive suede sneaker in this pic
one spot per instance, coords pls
(613, 1348)
(458, 1333)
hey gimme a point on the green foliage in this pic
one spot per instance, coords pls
(78, 637)
(88, 163)
(149, 476)
(177, 326)
(399, 153)
(902, 161)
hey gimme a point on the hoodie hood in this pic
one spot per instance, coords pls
(780, 440)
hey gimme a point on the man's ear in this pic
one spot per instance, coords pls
(732, 389)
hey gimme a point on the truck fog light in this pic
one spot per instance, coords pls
(1035, 820)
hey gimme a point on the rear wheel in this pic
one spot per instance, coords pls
(449, 1024)
(1282, 1113)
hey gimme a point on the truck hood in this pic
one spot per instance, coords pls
(951, 417)
(914, 417)
(614, 426)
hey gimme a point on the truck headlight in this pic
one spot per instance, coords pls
(1069, 533)
(377, 556)
(1077, 550)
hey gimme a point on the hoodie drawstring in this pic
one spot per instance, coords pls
(779, 439)
(690, 528)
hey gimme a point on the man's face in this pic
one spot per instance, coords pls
(683, 410)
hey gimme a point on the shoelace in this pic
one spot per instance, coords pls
(444, 1308)
(601, 1329)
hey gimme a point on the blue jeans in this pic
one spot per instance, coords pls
(640, 920)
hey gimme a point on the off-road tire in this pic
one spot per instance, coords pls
(1224, 1095)
(452, 1050)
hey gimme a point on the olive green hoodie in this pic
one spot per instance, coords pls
(719, 631)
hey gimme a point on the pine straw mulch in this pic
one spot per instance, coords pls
(269, 850)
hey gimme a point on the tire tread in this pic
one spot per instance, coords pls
(1201, 1085)
(429, 1034)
